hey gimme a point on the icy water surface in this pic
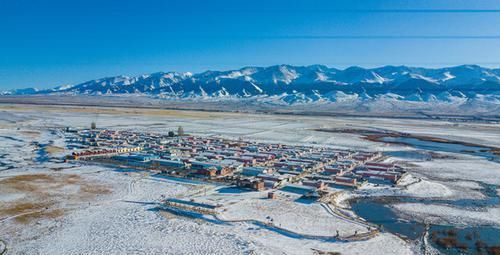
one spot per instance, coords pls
(447, 239)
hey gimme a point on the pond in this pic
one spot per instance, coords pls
(380, 214)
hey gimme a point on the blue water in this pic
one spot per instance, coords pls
(42, 155)
(381, 215)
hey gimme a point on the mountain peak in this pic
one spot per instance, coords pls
(297, 83)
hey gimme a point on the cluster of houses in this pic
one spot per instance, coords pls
(253, 165)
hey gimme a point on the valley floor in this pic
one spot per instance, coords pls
(49, 207)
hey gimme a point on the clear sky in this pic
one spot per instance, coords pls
(49, 43)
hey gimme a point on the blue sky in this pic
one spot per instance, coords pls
(49, 43)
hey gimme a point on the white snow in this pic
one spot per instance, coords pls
(464, 168)
(377, 79)
(311, 219)
(419, 76)
(448, 76)
(118, 222)
(428, 189)
(256, 87)
(443, 214)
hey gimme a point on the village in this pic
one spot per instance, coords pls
(307, 170)
(265, 187)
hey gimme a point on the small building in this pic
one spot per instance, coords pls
(224, 171)
(334, 170)
(380, 166)
(288, 172)
(198, 165)
(141, 157)
(345, 181)
(272, 195)
(139, 160)
(291, 165)
(273, 177)
(165, 163)
(246, 160)
(298, 189)
(316, 184)
(254, 184)
(254, 171)
(388, 176)
(210, 172)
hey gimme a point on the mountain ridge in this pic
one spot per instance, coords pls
(300, 84)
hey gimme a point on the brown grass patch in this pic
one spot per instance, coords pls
(53, 149)
(11, 209)
(38, 215)
(447, 242)
(119, 111)
(26, 212)
(30, 133)
(28, 178)
(72, 179)
(494, 250)
(43, 195)
(39, 182)
(95, 189)
(27, 183)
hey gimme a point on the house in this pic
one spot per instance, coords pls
(316, 184)
(141, 157)
(334, 170)
(288, 172)
(298, 189)
(254, 184)
(272, 195)
(345, 164)
(273, 177)
(198, 165)
(389, 176)
(165, 163)
(139, 160)
(246, 160)
(296, 166)
(224, 171)
(380, 166)
(386, 165)
(210, 172)
(254, 171)
(346, 181)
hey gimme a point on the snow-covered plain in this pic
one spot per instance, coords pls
(451, 215)
(464, 168)
(309, 219)
(124, 217)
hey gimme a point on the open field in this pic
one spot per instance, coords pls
(99, 210)
(248, 105)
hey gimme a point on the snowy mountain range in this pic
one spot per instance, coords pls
(302, 84)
